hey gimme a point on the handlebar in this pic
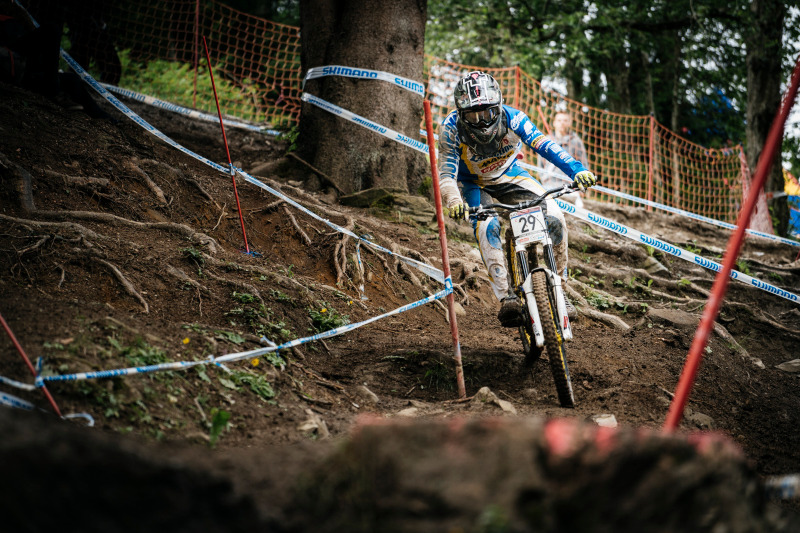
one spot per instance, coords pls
(553, 193)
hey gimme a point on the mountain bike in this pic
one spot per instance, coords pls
(536, 281)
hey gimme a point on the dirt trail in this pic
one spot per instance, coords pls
(118, 250)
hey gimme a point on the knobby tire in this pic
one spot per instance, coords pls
(553, 341)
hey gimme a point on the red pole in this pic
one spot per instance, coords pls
(437, 200)
(734, 245)
(225, 139)
(650, 163)
(28, 362)
(544, 120)
(196, 49)
(517, 98)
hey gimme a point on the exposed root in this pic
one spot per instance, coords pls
(579, 240)
(180, 229)
(720, 330)
(271, 205)
(180, 174)
(222, 214)
(587, 310)
(83, 231)
(79, 181)
(340, 252)
(63, 275)
(35, 246)
(181, 275)
(297, 226)
(124, 281)
(154, 188)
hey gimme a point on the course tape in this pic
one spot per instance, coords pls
(783, 487)
(183, 365)
(361, 121)
(12, 401)
(671, 249)
(367, 74)
(430, 271)
(675, 210)
(193, 113)
(16, 384)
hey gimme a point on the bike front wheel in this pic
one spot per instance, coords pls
(529, 349)
(553, 341)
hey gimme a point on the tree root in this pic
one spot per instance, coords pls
(327, 178)
(180, 174)
(79, 181)
(269, 206)
(180, 229)
(124, 281)
(38, 244)
(587, 310)
(154, 188)
(24, 185)
(83, 231)
(181, 275)
(579, 239)
(340, 252)
(297, 226)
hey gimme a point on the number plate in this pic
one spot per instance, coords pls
(528, 225)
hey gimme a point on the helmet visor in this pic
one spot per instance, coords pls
(483, 116)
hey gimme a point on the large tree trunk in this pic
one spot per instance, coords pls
(387, 36)
(764, 55)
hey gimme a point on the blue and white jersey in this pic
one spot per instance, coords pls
(458, 162)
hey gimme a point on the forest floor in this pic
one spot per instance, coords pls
(117, 250)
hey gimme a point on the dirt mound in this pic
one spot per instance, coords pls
(120, 251)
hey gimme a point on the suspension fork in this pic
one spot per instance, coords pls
(530, 299)
(557, 293)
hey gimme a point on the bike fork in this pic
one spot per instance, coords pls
(558, 290)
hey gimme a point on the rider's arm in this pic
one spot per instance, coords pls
(539, 142)
(449, 159)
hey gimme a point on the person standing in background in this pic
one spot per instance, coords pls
(572, 143)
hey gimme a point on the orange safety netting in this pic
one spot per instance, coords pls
(257, 63)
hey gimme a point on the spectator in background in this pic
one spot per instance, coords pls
(572, 143)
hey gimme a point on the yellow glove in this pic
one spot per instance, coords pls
(584, 180)
(457, 211)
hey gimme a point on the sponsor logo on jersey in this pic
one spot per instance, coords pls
(528, 128)
(517, 120)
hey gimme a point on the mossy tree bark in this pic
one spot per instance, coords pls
(387, 36)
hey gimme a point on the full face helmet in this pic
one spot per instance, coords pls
(480, 115)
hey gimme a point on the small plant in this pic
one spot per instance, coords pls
(326, 318)
(258, 384)
(229, 336)
(692, 247)
(287, 271)
(139, 353)
(425, 187)
(774, 276)
(220, 421)
(291, 137)
(683, 282)
(194, 255)
(280, 296)
(743, 267)
(597, 300)
(438, 376)
(590, 230)
(243, 297)
(650, 250)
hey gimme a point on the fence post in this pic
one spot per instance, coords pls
(650, 163)
(517, 99)
(448, 282)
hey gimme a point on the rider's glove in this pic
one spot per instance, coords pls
(457, 211)
(584, 180)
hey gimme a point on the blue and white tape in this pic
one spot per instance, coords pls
(366, 74)
(675, 210)
(16, 384)
(183, 365)
(370, 125)
(192, 113)
(783, 487)
(12, 401)
(671, 249)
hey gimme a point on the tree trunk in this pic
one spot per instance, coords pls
(764, 55)
(387, 36)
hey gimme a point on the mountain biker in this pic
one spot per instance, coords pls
(479, 147)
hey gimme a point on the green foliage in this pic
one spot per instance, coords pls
(139, 353)
(257, 383)
(439, 376)
(324, 317)
(243, 297)
(425, 187)
(174, 82)
(597, 300)
(290, 136)
(693, 248)
(194, 255)
(743, 267)
(220, 421)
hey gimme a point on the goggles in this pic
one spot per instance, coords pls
(484, 116)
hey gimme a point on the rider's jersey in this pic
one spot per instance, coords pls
(459, 162)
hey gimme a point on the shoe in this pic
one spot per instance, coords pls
(510, 315)
(572, 313)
